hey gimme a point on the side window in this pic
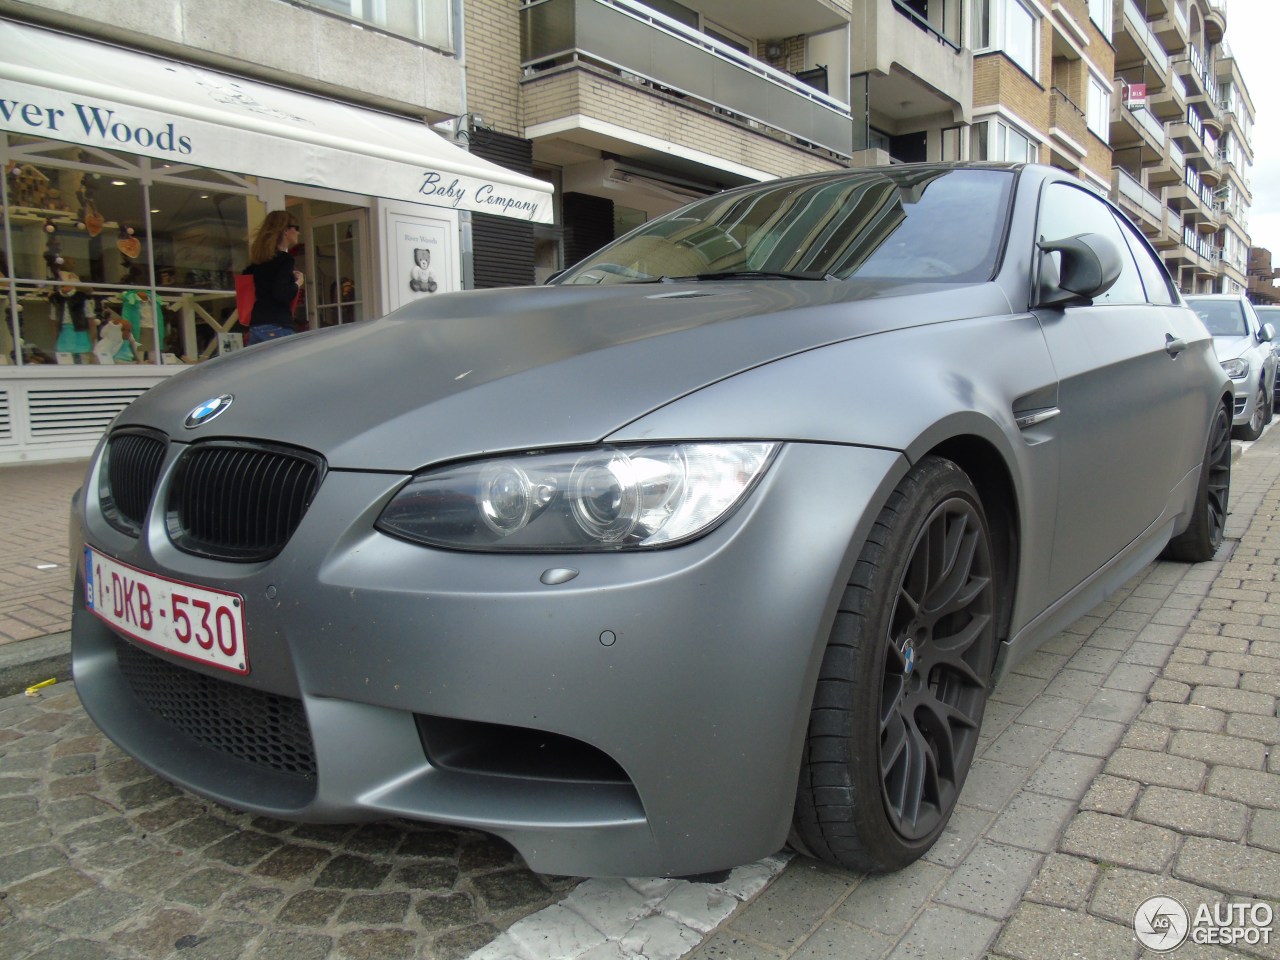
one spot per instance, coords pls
(1155, 278)
(1067, 211)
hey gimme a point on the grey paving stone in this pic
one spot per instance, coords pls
(1264, 831)
(839, 941)
(1193, 813)
(1033, 821)
(1261, 683)
(1234, 701)
(1230, 867)
(724, 945)
(962, 831)
(1147, 654)
(292, 945)
(1088, 735)
(1266, 729)
(378, 944)
(1119, 705)
(1020, 745)
(27, 863)
(888, 903)
(1194, 675)
(463, 942)
(945, 934)
(1156, 768)
(1038, 932)
(1064, 881)
(1169, 691)
(1147, 736)
(1244, 663)
(1093, 659)
(1075, 685)
(1018, 688)
(991, 879)
(1050, 712)
(1113, 795)
(793, 905)
(94, 911)
(1065, 775)
(1253, 787)
(1123, 842)
(990, 784)
(1215, 748)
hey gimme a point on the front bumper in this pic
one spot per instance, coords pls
(643, 718)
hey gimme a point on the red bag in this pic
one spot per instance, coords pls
(245, 296)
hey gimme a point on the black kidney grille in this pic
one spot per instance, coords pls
(132, 464)
(261, 728)
(240, 501)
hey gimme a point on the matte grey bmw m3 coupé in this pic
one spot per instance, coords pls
(719, 540)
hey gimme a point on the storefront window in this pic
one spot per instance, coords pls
(115, 258)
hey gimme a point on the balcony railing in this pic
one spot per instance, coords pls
(1139, 28)
(1137, 194)
(1148, 121)
(637, 40)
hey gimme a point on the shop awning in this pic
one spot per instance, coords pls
(67, 88)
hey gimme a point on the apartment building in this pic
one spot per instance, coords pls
(502, 140)
(1181, 131)
(1042, 79)
(632, 107)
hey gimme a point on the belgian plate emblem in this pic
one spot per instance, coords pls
(208, 410)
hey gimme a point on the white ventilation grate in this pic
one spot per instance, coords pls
(64, 412)
(6, 418)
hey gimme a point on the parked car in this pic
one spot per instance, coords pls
(1243, 344)
(722, 537)
(1271, 314)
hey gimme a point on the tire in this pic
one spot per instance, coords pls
(904, 679)
(1261, 416)
(1201, 540)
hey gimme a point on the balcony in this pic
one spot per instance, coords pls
(1215, 21)
(1171, 102)
(1135, 127)
(644, 47)
(1143, 206)
(1196, 74)
(1137, 44)
(1171, 27)
(916, 67)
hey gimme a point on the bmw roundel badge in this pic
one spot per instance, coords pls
(208, 410)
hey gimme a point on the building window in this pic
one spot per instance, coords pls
(1098, 109)
(998, 140)
(1100, 13)
(427, 20)
(1009, 26)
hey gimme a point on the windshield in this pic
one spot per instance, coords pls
(1222, 318)
(922, 224)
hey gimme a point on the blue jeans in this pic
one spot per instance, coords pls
(261, 332)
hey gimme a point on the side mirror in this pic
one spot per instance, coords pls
(1090, 265)
(1267, 333)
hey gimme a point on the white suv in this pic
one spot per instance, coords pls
(1243, 345)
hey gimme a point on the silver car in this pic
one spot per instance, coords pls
(1270, 313)
(721, 538)
(1243, 344)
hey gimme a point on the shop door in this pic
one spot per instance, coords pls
(337, 269)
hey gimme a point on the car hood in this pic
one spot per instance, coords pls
(462, 374)
(1228, 348)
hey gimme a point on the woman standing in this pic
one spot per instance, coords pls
(275, 280)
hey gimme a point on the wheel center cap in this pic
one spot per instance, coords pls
(908, 657)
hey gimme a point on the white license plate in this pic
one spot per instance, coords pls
(194, 622)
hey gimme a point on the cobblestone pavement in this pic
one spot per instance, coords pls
(1134, 755)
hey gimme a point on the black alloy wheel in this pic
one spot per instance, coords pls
(904, 680)
(1202, 538)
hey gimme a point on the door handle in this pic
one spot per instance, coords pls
(1174, 346)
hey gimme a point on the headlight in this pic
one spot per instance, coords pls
(606, 498)
(1236, 369)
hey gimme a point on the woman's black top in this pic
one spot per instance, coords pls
(273, 290)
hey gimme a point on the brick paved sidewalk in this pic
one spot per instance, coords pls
(35, 584)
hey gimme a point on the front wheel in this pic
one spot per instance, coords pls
(1260, 418)
(904, 679)
(1200, 541)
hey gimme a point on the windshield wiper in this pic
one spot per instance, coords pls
(762, 275)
